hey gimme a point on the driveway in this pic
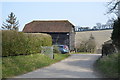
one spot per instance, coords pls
(75, 66)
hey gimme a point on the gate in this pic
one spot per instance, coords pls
(48, 51)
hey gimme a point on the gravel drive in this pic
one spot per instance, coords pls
(75, 66)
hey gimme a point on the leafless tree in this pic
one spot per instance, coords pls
(114, 7)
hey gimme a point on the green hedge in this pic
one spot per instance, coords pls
(19, 43)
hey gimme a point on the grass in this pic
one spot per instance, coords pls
(109, 65)
(16, 65)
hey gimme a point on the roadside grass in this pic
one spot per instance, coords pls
(16, 65)
(109, 65)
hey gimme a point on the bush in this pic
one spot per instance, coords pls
(88, 45)
(56, 49)
(109, 65)
(17, 43)
(82, 47)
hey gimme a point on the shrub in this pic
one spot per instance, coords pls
(82, 47)
(88, 45)
(17, 43)
(56, 49)
(109, 65)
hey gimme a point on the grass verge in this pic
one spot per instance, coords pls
(109, 65)
(16, 65)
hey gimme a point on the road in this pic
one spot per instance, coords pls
(75, 66)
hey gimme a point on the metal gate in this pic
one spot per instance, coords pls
(48, 51)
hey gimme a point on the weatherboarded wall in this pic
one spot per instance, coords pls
(100, 37)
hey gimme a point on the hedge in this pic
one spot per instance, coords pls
(19, 43)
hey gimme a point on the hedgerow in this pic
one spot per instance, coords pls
(19, 43)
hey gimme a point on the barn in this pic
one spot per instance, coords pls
(62, 31)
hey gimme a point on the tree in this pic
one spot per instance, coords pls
(94, 28)
(11, 22)
(91, 45)
(116, 33)
(110, 23)
(87, 45)
(113, 6)
(98, 25)
(119, 9)
(103, 26)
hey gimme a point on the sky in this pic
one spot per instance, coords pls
(84, 14)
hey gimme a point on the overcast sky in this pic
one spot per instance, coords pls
(84, 14)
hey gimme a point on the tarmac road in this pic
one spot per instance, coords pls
(75, 66)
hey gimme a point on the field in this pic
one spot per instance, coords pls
(100, 37)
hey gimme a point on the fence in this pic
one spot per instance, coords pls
(48, 51)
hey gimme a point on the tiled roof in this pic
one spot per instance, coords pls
(49, 26)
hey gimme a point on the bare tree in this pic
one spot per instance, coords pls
(98, 25)
(110, 23)
(103, 26)
(94, 27)
(114, 7)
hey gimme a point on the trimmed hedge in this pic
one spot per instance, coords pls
(19, 43)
